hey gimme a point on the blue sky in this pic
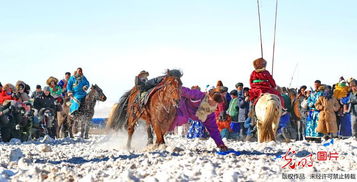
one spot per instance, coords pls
(209, 40)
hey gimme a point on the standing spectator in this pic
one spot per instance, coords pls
(285, 117)
(233, 113)
(353, 100)
(55, 90)
(7, 93)
(227, 97)
(341, 93)
(45, 101)
(244, 105)
(327, 104)
(77, 89)
(313, 115)
(63, 83)
(239, 88)
(22, 92)
(37, 93)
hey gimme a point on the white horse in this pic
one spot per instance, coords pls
(268, 111)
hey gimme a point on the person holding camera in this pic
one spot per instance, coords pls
(7, 93)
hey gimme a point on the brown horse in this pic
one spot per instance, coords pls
(159, 111)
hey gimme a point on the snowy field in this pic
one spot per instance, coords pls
(104, 158)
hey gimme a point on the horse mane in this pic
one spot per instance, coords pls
(118, 116)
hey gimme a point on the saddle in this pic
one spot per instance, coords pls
(143, 98)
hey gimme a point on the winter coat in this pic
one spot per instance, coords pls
(36, 94)
(233, 109)
(4, 97)
(261, 81)
(45, 102)
(243, 109)
(327, 118)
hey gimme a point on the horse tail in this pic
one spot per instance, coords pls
(118, 116)
(272, 115)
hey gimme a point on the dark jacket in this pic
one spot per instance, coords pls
(44, 102)
(243, 109)
(147, 85)
(36, 94)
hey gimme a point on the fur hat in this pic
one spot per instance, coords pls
(321, 88)
(219, 83)
(259, 63)
(20, 84)
(50, 79)
(195, 87)
(9, 85)
(216, 95)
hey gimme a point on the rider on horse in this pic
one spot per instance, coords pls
(261, 81)
(77, 89)
(144, 85)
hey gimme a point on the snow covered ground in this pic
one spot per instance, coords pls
(104, 158)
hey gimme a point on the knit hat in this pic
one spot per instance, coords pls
(46, 88)
(259, 63)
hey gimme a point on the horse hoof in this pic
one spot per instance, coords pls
(150, 142)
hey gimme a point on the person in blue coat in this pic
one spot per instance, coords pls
(77, 89)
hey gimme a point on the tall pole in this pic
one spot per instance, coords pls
(260, 30)
(276, 16)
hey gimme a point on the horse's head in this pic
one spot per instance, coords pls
(173, 85)
(98, 93)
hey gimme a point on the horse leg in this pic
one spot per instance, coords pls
(86, 128)
(70, 126)
(74, 125)
(59, 125)
(150, 135)
(303, 130)
(130, 136)
(284, 132)
(300, 130)
(159, 135)
(82, 126)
